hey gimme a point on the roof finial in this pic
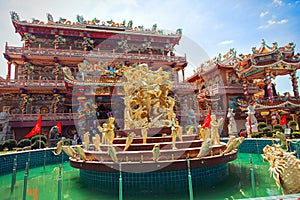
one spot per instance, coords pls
(14, 16)
(263, 42)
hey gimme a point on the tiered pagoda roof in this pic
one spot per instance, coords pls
(265, 62)
(72, 42)
(278, 60)
(209, 71)
(127, 35)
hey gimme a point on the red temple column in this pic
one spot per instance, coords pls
(294, 82)
(246, 89)
(16, 71)
(183, 78)
(8, 70)
(273, 117)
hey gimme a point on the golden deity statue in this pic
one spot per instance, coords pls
(147, 100)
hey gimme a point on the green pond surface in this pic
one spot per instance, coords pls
(43, 184)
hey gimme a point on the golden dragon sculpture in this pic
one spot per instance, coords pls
(284, 167)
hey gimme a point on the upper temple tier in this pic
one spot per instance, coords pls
(91, 34)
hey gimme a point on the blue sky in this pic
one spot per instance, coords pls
(209, 27)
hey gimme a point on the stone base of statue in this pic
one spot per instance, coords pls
(101, 169)
(253, 128)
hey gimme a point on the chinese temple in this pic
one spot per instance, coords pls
(120, 82)
(232, 81)
(62, 61)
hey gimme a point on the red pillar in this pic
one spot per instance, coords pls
(183, 78)
(245, 89)
(8, 70)
(16, 71)
(294, 82)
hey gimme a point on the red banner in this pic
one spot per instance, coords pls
(59, 127)
(207, 120)
(37, 129)
(283, 120)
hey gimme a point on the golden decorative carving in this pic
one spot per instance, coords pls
(147, 101)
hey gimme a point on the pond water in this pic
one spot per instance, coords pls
(42, 184)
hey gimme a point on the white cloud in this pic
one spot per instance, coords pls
(262, 14)
(283, 21)
(226, 42)
(263, 27)
(272, 22)
(278, 2)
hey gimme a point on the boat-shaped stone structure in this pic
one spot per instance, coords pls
(142, 173)
(139, 156)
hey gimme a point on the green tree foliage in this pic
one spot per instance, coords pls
(24, 143)
(10, 144)
(38, 144)
(38, 137)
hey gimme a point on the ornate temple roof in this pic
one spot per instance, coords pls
(93, 28)
(278, 60)
(228, 60)
(281, 103)
(264, 48)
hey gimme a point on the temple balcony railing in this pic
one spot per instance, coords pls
(226, 89)
(200, 114)
(45, 117)
(74, 116)
(109, 55)
(15, 83)
(279, 100)
(50, 119)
